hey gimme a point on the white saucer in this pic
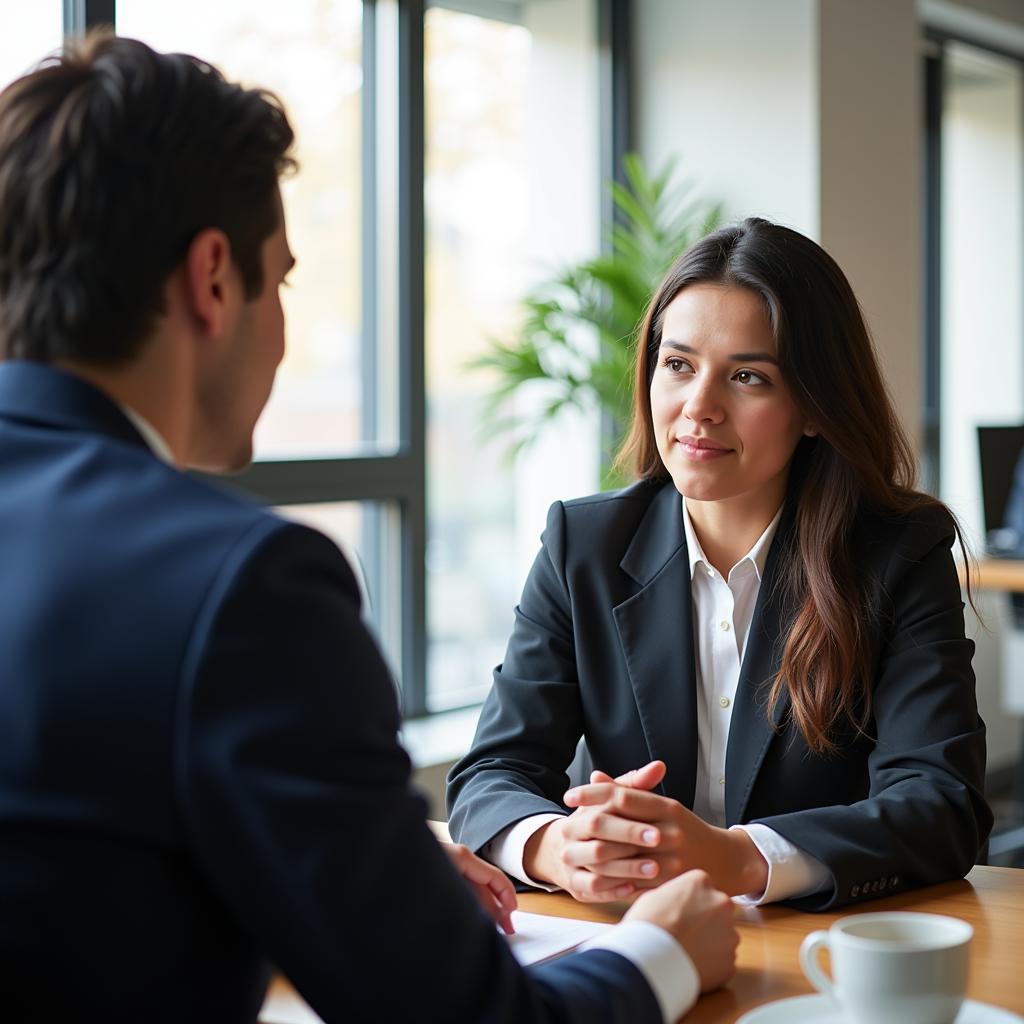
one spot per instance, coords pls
(819, 1009)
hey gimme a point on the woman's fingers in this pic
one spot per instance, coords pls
(623, 801)
(610, 827)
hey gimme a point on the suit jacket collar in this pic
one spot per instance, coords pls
(655, 628)
(752, 731)
(44, 395)
(656, 632)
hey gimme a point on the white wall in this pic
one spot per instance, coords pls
(806, 112)
(870, 176)
(730, 87)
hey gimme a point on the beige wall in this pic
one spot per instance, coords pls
(806, 112)
(869, 77)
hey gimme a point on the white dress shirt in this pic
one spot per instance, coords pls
(722, 613)
(153, 438)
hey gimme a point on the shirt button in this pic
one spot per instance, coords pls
(711, 573)
(724, 701)
(721, 781)
(724, 626)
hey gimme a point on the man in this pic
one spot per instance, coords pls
(199, 772)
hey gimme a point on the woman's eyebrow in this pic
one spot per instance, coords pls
(736, 357)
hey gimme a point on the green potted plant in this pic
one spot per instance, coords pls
(574, 347)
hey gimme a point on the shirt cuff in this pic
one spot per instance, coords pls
(660, 959)
(506, 849)
(791, 872)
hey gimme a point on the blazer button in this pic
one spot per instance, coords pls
(855, 891)
(894, 881)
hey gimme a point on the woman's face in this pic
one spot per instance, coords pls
(724, 420)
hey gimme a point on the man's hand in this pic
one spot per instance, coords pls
(699, 918)
(495, 892)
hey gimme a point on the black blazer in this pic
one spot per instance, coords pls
(603, 648)
(199, 770)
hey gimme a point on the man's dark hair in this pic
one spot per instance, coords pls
(112, 158)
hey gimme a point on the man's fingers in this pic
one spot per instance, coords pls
(501, 916)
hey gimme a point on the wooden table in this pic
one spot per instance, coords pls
(768, 965)
(998, 574)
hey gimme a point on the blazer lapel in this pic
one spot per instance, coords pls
(751, 730)
(655, 628)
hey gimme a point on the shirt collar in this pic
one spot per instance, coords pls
(157, 445)
(757, 556)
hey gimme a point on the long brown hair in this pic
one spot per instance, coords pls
(860, 460)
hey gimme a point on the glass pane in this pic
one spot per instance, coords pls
(367, 533)
(310, 53)
(511, 191)
(30, 32)
(982, 265)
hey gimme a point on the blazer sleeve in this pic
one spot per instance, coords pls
(298, 811)
(925, 818)
(532, 719)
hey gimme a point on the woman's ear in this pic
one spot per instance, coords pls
(810, 430)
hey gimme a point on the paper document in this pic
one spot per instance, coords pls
(540, 937)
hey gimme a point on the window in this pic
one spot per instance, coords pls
(30, 31)
(511, 148)
(450, 155)
(977, 162)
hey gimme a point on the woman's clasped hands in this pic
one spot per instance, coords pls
(622, 838)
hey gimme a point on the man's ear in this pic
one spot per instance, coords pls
(210, 279)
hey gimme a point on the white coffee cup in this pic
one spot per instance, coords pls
(910, 968)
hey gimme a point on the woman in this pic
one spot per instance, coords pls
(771, 672)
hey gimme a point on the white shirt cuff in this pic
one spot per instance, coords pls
(791, 872)
(506, 849)
(660, 959)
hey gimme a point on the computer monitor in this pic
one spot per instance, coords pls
(999, 449)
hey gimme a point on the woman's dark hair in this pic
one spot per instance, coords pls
(112, 158)
(859, 460)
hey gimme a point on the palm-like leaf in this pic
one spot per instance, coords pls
(574, 345)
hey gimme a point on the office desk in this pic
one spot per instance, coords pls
(768, 968)
(998, 574)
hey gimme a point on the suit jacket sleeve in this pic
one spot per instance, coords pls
(925, 818)
(532, 718)
(297, 805)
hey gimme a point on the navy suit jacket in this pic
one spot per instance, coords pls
(603, 648)
(199, 771)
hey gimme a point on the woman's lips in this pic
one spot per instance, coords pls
(701, 449)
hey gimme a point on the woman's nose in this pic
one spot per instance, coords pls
(703, 401)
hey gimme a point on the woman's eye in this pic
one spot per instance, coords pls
(675, 364)
(748, 377)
